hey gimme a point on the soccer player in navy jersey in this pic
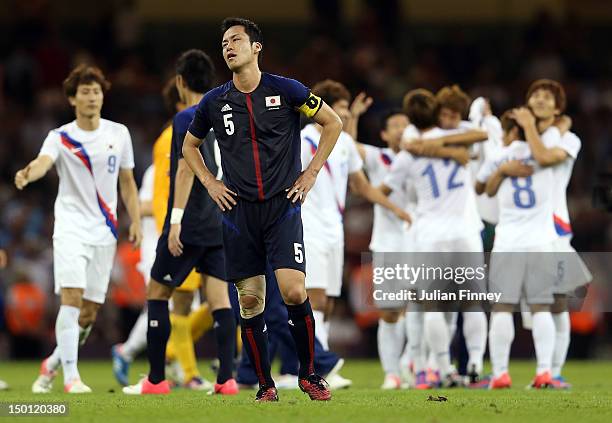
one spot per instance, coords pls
(256, 120)
(191, 238)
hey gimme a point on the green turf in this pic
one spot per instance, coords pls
(589, 401)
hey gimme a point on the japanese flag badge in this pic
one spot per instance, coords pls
(273, 101)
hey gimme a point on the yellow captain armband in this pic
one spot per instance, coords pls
(311, 106)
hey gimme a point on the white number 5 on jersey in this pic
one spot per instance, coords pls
(299, 253)
(229, 125)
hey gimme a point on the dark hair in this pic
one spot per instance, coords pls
(171, 96)
(384, 118)
(454, 98)
(331, 91)
(549, 85)
(197, 70)
(250, 27)
(83, 75)
(421, 107)
(508, 123)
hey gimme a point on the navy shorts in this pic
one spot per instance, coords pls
(256, 231)
(173, 271)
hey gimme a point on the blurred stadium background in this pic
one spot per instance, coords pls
(492, 48)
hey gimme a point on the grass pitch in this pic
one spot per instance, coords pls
(590, 400)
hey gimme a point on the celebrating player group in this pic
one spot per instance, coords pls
(241, 195)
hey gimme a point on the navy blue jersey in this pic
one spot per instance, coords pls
(258, 133)
(201, 224)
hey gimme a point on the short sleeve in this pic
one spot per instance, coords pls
(355, 164)
(180, 125)
(146, 188)
(51, 146)
(411, 133)
(127, 155)
(571, 144)
(486, 170)
(201, 123)
(399, 172)
(306, 151)
(372, 157)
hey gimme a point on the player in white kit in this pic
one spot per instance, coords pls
(446, 219)
(546, 99)
(388, 235)
(453, 105)
(523, 263)
(90, 155)
(322, 213)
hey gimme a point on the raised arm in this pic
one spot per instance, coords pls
(129, 196)
(359, 185)
(35, 170)
(359, 106)
(543, 155)
(332, 126)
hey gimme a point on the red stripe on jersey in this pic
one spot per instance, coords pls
(260, 190)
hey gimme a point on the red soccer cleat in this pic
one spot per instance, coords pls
(229, 387)
(145, 387)
(541, 381)
(266, 394)
(316, 387)
(501, 382)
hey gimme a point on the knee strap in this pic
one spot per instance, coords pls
(254, 287)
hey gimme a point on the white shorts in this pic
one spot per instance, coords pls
(529, 274)
(78, 265)
(571, 270)
(324, 265)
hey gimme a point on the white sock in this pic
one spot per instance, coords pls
(562, 341)
(321, 328)
(390, 345)
(544, 340)
(84, 334)
(54, 360)
(414, 326)
(475, 332)
(437, 337)
(501, 335)
(67, 335)
(137, 341)
(451, 322)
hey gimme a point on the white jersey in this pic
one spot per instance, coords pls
(88, 164)
(446, 203)
(484, 151)
(149, 230)
(562, 174)
(388, 231)
(525, 204)
(323, 209)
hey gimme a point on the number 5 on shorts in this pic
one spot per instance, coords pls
(299, 253)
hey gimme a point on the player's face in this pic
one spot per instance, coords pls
(88, 100)
(392, 134)
(238, 50)
(449, 119)
(543, 104)
(341, 107)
